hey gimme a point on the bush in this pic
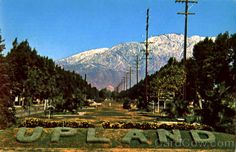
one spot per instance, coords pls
(126, 104)
(190, 119)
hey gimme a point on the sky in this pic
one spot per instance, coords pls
(61, 28)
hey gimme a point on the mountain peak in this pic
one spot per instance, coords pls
(107, 66)
(86, 55)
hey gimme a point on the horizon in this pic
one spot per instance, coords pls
(82, 26)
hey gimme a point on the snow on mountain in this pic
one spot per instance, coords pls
(84, 56)
(107, 66)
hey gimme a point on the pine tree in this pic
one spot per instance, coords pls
(6, 105)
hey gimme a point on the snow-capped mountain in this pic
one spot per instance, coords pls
(107, 66)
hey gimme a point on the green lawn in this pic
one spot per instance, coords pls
(8, 139)
(113, 114)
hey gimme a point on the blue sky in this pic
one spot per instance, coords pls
(60, 28)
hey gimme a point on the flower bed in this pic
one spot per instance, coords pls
(154, 125)
(75, 123)
(47, 123)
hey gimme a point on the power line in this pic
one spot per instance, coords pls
(186, 13)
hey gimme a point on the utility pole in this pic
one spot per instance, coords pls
(85, 77)
(186, 13)
(124, 82)
(130, 76)
(147, 53)
(117, 89)
(120, 86)
(126, 79)
(137, 66)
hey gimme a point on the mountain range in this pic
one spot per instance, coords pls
(105, 67)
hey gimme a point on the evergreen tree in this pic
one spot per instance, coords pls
(6, 104)
(35, 77)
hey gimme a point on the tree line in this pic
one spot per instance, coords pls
(210, 76)
(30, 77)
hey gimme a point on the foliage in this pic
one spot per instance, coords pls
(153, 125)
(166, 84)
(47, 123)
(210, 77)
(35, 77)
(132, 94)
(211, 80)
(126, 104)
(169, 79)
(6, 105)
(93, 93)
(104, 93)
